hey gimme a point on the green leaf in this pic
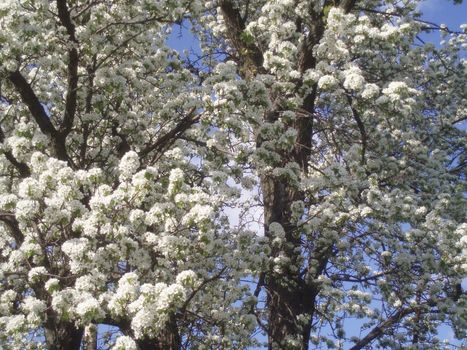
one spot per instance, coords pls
(247, 38)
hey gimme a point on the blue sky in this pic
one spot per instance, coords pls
(443, 11)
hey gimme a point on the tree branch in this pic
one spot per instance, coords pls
(316, 30)
(381, 328)
(259, 287)
(249, 55)
(65, 19)
(361, 127)
(429, 25)
(73, 61)
(347, 5)
(22, 168)
(30, 99)
(123, 146)
(9, 219)
(165, 141)
(38, 113)
(397, 317)
(200, 287)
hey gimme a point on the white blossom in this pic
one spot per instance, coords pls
(327, 82)
(302, 146)
(124, 343)
(354, 81)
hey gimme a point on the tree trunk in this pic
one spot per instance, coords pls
(90, 337)
(166, 341)
(63, 336)
(168, 338)
(288, 294)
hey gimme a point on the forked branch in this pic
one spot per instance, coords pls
(165, 141)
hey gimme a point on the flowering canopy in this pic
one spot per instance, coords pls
(121, 159)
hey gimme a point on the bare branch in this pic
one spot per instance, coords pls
(22, 168)
(361, 127)
(9, 219)
(40, 116)
(73, 60)
(35, 107)
(381, 328)
(201, 286)
(165, 141)
(347, 5)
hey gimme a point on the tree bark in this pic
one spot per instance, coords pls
(90, 337)
(63, 336)
(288, 295)
(168, 339)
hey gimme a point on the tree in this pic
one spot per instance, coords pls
(121, 158)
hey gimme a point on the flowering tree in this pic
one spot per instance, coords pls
(120, 159)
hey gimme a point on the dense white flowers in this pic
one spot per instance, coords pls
(34, 309)
(89, 309)
(26, 209)
(15, 324)
(370, 91)
(354, 81)
(129, 163)
(30, 188)
(124, 343)
(127, 291)
(36, 273)
(320, 154)
(327, 82)
(187, 278)
(175, 180)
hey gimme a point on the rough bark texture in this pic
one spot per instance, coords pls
(288, 295)
(168, 339)
(64, 336)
